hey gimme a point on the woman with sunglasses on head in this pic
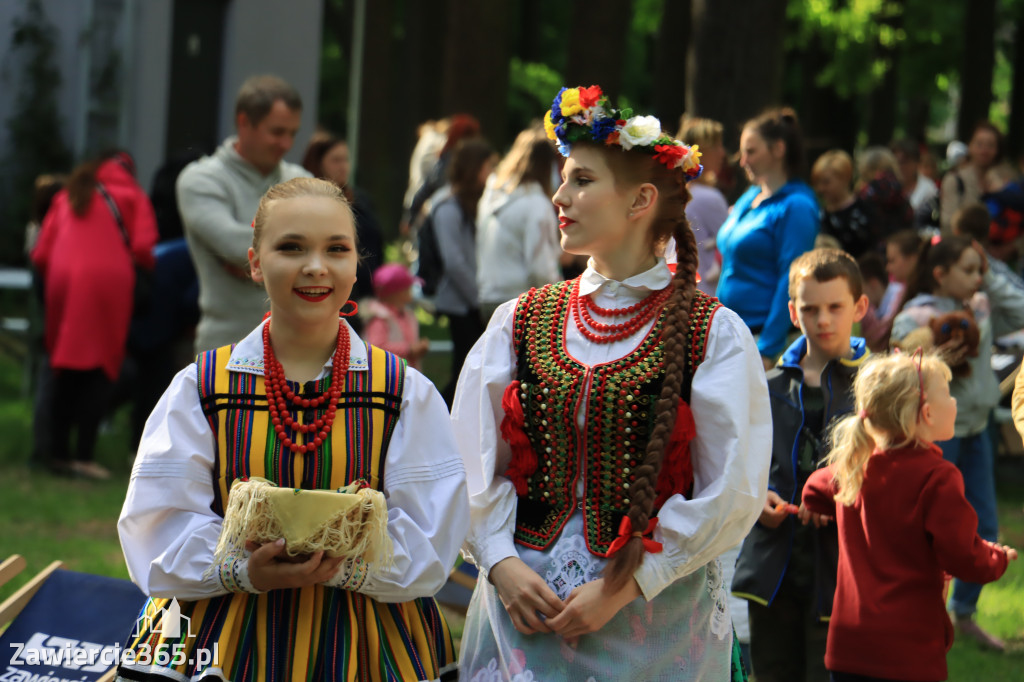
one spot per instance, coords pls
(609, 454)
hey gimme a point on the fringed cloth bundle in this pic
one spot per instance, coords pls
(347, 522)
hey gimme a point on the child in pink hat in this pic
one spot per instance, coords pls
(390, 321)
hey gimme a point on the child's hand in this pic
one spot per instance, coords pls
(981, 252)
(421, 347)
(774, 512)
(807, 516)
(271, 569)
(237, 272)
(1010, 552)
(953, 352)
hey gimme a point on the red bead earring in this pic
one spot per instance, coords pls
(355, 308)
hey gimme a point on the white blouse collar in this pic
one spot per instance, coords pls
(654, 279)
(247, 355)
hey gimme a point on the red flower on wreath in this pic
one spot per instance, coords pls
(669, 154)
(589, 96)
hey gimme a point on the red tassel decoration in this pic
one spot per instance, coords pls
(677, 468)
(524, 459)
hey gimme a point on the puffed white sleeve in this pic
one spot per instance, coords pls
(425, 489)
(476, 416)
(167, 528)
(731, 455)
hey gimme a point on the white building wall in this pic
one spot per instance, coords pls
(69, 19)
(281, 38)
(149, 80)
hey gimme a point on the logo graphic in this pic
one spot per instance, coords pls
(167, 622)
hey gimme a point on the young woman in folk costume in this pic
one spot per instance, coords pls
(344, 411)
(615, 430)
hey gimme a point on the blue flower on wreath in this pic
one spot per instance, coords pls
(556, 106)
(601, 128)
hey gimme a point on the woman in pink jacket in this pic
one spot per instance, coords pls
(98, 229)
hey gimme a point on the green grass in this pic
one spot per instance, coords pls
(1001, 608)
(45, 518)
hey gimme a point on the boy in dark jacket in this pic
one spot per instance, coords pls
(787, 571)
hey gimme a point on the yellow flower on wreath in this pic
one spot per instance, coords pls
(549, 127)
(571, 102)
(692, 159)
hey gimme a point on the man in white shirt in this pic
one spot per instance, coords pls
(218, 196)
(921, 192)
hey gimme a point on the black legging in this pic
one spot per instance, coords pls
(78, 402)
(465, 330)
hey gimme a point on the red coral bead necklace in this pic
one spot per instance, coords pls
(279, 395)
(598, 332)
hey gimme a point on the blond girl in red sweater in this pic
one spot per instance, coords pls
(903, 524)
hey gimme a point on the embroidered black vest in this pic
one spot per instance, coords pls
(619, 417)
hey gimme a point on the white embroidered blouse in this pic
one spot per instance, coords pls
(730, 454)
(168, 531)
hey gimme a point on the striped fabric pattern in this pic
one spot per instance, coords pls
(313, 633)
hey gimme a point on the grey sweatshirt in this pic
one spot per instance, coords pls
(998, 309)
(217, 197)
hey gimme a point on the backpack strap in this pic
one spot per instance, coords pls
(117, 213)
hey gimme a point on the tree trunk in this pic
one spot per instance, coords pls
(1015, 137)
(333, 97)
(670, 63)
(979, 62)
(827, 120)
(532, 14)
(918, 113)
(597, 41)
(882, 121)
(378, 146)
(424, 62)
(476, 63)
(737, 61)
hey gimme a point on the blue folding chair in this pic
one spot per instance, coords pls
(457, 592)
(65, 624)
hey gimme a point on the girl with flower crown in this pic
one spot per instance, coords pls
(339, 410)
(615, 430)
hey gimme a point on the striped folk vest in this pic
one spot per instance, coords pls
(313, 633)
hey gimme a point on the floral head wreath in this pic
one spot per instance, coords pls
(586, 114)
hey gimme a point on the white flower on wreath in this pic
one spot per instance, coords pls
(639, 131)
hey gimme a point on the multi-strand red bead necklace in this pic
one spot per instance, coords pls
(279, 395)
(645, 310)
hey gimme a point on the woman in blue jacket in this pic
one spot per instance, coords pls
(774, 221)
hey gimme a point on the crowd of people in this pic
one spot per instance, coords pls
(671, 426)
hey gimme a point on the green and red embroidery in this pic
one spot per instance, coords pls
(539, 425)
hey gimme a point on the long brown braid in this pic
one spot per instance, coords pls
(669, 221)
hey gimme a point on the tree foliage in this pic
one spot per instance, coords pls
(34, 128)
(856, 70)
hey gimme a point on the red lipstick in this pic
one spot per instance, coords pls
(564, 222)
(314, 298)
